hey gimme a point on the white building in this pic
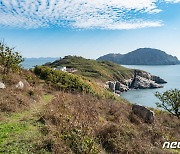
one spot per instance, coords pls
(61, 68)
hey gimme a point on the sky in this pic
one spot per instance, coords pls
(89, 28)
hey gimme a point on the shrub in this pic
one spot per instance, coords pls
(170, 101)
(79, 142)
(62, 80)
(70, 122)
(31, 93)
(14, 100)
(82, 123)
(9, 59)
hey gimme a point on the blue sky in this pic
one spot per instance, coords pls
(89, 28)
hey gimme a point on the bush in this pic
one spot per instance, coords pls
(31, 93)
(9, 59)
(62, 80)
(170, 101)
(79, 142)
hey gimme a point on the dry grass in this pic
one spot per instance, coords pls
(85, 124)
(13, 99)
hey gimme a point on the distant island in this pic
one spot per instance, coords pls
(142, 56)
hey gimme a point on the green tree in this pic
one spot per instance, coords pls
(170, 101)
(9, 59)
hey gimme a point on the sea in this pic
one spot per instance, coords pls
(145, 97)
(32, 62)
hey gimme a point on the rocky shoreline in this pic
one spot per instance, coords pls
(140, 80)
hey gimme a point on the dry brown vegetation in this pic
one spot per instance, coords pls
(85, 124)
(13, 99)
(77, 123)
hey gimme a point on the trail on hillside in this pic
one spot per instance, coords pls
(21, 131)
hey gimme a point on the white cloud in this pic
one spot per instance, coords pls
(103, 14)
(173, 1)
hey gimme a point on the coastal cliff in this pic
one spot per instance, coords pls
(140, 80)
(112, 76)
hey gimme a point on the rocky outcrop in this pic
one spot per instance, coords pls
(128, 82)
(147, 75)
(143, 83)
(2, 85)
(157, 79)
(121, 87)
(111, 85)
(140, 80)
(117, 86)
(20, 85)
(144, 113)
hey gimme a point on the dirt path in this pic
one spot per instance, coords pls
(20, 132)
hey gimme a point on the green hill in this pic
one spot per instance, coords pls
(142, 56)
(100, 70)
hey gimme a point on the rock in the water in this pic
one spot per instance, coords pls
(118, 92)
(149, 76)
(143, 83)
(128, 82)
(140, 80)
(20, 85)
(2, 85)
(121, 87)
(144, 113)
(111, 85)
(143, 74)
(157, 79)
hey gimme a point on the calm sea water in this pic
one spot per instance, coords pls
(170, 73)
(31, 62)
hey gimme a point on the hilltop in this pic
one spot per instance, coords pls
(142, 56)
(94, 69)
(117, 78)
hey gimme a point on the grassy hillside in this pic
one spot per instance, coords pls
(73, 83)
(59, 112)
(76, 123)
(95, 69)
(62, 80)
(84, 124)
(13, 99)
